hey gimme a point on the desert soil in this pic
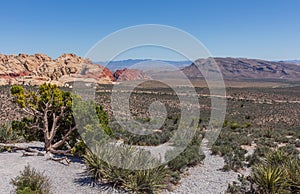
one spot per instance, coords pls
(66, 179)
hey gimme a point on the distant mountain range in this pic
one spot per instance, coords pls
(291, 61)
(122, 64)
(39, 68)
(241, 68)
(231, 68)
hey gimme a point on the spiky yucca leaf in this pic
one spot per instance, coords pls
(270, 179)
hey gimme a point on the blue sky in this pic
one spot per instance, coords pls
(267, 29)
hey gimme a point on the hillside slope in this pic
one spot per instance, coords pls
(241, 68)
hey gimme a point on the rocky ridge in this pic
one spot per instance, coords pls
(130, 74)
(39, 68)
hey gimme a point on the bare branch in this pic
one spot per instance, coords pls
(61, 142)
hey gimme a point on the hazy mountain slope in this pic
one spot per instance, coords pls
(129, 64)
(241, 68)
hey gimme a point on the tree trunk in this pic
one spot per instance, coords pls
(47, 145)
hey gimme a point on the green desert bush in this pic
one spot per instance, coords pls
(56, 126)
(290, 149)
(244, 139)
(234, 125)
(292, 167)
(30, 181)
(269, 179)
(235, 160)
(277, 172)
(150, 179)
(8, 135)
(189, 156)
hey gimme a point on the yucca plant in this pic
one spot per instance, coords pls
(270, 179)
(146, 181)
(149, 179)
(277, 158)
(293, 171)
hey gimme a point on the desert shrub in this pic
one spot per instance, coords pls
(234, 188)
(190, 156)
(156, 138)
(79, 148)
(225, 124)
(282, 139)
(261, 150)
(30, 181)
(234, 160)
(269, 142)
(174, 177)
(252, 159)
(234, 125)
(148, 180)
(297, 143)
(244, 139)
(8, 135)
(292, 167)
(269, 179)
(52, 117)
(244, 185)
(247, 125)
(5, 149)
(277, 172)
(268, 133)
(22, 127)
(290, 149)
(277, 158)
(228, 145)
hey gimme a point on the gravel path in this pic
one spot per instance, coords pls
(206, 178)
(64, 179)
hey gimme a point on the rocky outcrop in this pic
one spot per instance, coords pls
(130, 74)
(39, 68)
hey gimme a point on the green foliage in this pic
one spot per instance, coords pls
(190, 156)
(92, 121)
(277, 172)
(5, 149)
(79, 148)
(48, 103)
(290, 149)
(292, 167)
(50, 100)
(149, 180)
(23, 128)
(259, 152)
(156, 138)
(270, 179)
(235, 160)
(225, 124)
(234, 125)
(31, 181)
(228, 145)
(8, 135)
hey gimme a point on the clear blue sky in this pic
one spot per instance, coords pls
(267, 29)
